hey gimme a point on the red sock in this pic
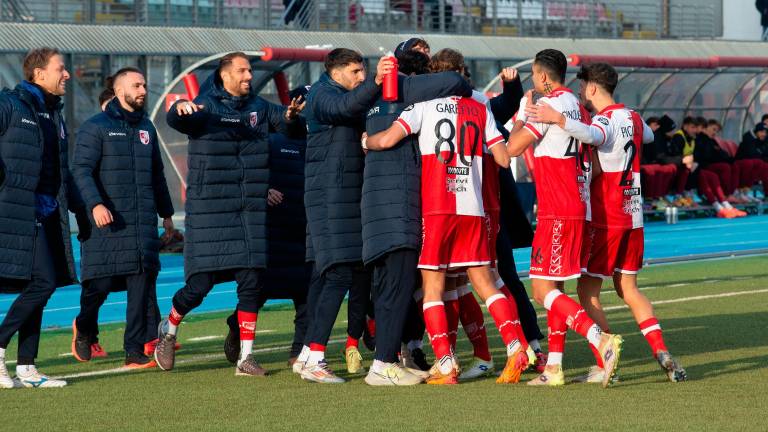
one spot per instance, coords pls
(575, 316)
(500, 309)
(504, 290)
(371, 323)
(247, 323)
(451, 303)
(317, 347)
(437, 327)
(471, 317)
(557, 329)
(175, 317)
(352, 342)
(598, 358)
(652, 332)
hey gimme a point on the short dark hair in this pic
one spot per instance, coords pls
(701, 121)
(38, 58)
(447, 59)
(713, 122)
(554, 62)
(109, 90)
(341, 57)
(689, 120)
(601, 74)
(650, 120)
(227, 59)
(765, 117)
(413, 62)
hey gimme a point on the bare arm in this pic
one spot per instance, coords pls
(385, 139)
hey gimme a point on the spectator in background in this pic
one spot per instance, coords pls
(658, 170)
(751, 156)
(762, 8)
(680, 147)
(715, 173)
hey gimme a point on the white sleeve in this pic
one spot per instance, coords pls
(595, 134)
(520, 115)
(411, 118)
(492, 134)
(647, 134)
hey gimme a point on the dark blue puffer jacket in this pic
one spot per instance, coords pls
(117, 163)
(334, 170)
(21, 150)
(228, 161)
(391, 200)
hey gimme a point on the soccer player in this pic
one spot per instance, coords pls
(615, 234)
(562, 195)
(455, 134)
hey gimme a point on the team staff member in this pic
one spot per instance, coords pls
(118, 169)
(336, 107)
(36, 192)
(226, 235)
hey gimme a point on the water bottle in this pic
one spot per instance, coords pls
(389, 92)
(668, 214)
(674, 215)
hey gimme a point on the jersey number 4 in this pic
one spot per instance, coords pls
(579, 153)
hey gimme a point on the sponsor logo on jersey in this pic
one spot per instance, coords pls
(408, 108)
(62, 132)
(604, 121)
(375, 110)
(254, 118)
(631, 191)
(285, 150)
(44, 115)
(230, 120)
(456, 185)
(28, 121)
(144, 137)
(457, 170)
(116, 134)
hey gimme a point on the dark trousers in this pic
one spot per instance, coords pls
(359, 305)
(508, 273)
(141, 314)
(394, 281)
(26, 313)
(337, 281)
(249, 289)
(414, 322)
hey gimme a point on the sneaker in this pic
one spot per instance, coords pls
(297, 366)
(320, 373)
(392, 375)
(478, 369)
(437, 377)
(737, 213)
(81, 344)
(97, 351)
(232, 346)
(354, 360)
(610, 351)
(671, 367)
(516, 364)
(34, 379)
(541, 361)
(250, 367)
(552, 376)
(5, 378)
(594, 375)
(149, 347)
(139, 361)
(725, 213)
(165, 352)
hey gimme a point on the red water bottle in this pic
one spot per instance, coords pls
(389, 92)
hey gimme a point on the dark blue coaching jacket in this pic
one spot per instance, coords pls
(117, 163)
(228, 161)
(334, 170)
(23, 112)
(391, 200)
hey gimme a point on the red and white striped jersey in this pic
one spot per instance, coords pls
(561, 171)
(618, 134)
(491, 187)
(455, 134)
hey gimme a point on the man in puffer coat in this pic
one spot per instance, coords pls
(118, 168)
(227, 183)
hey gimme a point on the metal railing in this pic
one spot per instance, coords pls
(547, 18)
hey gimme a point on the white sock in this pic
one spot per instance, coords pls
(378, 365)
(304, 354)
(172, 329)
(315, 357)
(593, 335)
(2, 353)
(717, 206)
(415, 344)
(25, 369)
(727, 205)
(535, 345)
(445, 364)
(512, 347)
(550, 298)
(246, 347)
(554, 358)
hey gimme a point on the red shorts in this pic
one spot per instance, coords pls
(556, 249)
(454, 242)
(492, 222)
(612, 250)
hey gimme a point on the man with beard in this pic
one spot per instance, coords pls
(119, 171)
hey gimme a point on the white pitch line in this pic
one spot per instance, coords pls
(215, 337)
(687, 299)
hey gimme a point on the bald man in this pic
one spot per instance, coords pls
(119, 171)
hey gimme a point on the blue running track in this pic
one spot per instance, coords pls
(689, 237)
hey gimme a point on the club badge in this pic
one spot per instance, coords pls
(144, 137)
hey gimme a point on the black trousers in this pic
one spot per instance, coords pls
(359, 305)
(337, 281)
(508, 273)
(141, 314)
(394, 281)
(249, 289)
(26, 313)
(414, 321)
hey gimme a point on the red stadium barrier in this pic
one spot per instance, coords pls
(281, 83)
(294, 54)
(712, 62)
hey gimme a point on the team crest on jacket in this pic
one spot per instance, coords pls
(254, 119)
(144, 137)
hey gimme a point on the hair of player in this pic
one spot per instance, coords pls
(713, 122)
(601, 74)
(38, 58)
(341, 57)
(701, 121)
(413, 62)
(764, 118)
(121, 73)
(554, 62)
(227, 60)
(650, 120)
(419, 42)
(688, 120)
(447, 59)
